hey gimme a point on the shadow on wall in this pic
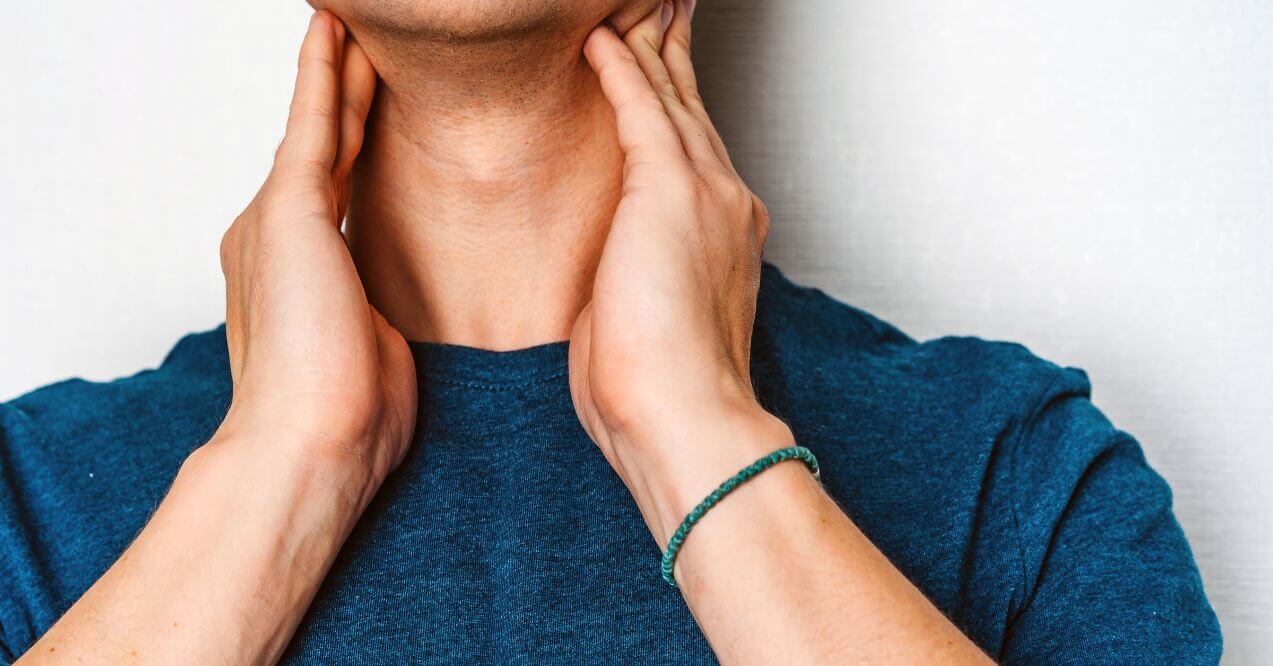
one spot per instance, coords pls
(754, 75)
(733, 55)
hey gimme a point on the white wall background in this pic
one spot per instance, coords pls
(1094, 179)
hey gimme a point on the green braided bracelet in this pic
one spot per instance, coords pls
(678, 539)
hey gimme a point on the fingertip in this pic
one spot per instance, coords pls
(678, 33)
(314, 29)
(601, 38)
(320, 19)
(312, 124)
(649, 31)
(338, 29)
(602, 32)
(325, 19)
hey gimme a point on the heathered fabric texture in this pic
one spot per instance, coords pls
(983, 472)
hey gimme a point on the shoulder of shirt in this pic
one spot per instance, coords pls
(193, 377)
(801, 326)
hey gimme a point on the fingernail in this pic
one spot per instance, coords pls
(689, 7)
(667, 14)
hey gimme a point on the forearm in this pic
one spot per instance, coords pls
(777, 573)
(225, 568)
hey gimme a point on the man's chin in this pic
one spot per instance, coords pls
(477, 21)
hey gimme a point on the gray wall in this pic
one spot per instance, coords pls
(1090, 178)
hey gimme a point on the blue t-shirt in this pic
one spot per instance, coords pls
(984, 473)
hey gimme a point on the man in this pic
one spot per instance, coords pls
(535, 172)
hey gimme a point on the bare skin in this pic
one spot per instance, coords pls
(646, 247)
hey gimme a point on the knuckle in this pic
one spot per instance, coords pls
(759, 210)
(643, 37)
(650, 40)
(691, 97)
(359, 106)
(229, 247)
(763, 221)
(679, 40)
(668, 94)
(621, 59)
(312, 111)
(642, 101)
(733, 193)
(292, 163)
(310, 59)
(762, 236)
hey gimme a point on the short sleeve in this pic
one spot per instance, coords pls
(27, 598)
(1108, 574)
(12, 618)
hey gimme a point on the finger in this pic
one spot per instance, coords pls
(646, 133)
(646, 41)
(357, 88)
(680, 68)
(675, 55)
(311, 138)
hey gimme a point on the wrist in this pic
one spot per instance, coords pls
(247, 531)
(286, 469)
(680, 458)
(289, 449)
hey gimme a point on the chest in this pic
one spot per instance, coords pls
(518, 546)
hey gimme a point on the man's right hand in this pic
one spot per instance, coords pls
(324, 406)
(315, 367)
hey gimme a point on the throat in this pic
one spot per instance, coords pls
(479, 222)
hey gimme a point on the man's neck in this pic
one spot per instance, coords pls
(484, 192)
